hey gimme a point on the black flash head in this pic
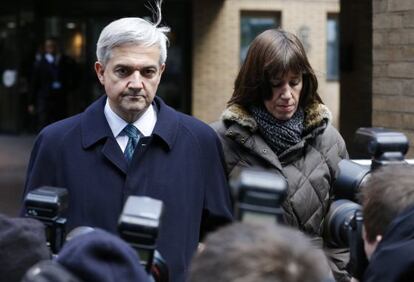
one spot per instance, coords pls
(382, 145)
(139, 225)
(258, 192)
(46, 202)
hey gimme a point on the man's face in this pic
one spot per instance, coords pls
(131, 77)
(50, 46)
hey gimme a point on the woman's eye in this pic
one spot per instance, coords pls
(295, 82)
(276, 84)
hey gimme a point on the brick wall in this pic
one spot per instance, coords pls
(216, 47)
(393, 66)
(355, 69)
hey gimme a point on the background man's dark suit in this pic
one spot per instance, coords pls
(51, 84)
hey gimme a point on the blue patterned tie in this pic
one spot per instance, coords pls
(133, 133)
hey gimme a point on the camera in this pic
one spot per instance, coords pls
(344, 221)
(382, 146)
(258, 195)
(47, 204)
(139, 225)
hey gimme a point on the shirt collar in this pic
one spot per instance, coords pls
(145, 123)
(49, 58)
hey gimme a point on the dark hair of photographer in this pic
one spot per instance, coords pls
(99, 256)
(247, 252)
(22, 244)
(388, 207)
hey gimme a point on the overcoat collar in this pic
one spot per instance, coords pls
(94, 126)
(242, 127)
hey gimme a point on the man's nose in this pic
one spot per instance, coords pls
(135, 80)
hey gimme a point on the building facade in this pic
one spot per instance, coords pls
(393, 66)
(208, 42)
(377, 69)
(25, 24)
(221, 30)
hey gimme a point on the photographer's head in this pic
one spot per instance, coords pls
(98, 256)
(22, 244)
(247, 252)
(388, 192)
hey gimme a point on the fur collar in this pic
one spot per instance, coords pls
(314, 115)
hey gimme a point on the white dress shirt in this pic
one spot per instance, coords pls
(145, 124)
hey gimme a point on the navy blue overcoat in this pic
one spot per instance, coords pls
(180, 164)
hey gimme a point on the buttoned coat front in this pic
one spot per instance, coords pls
(180, 164)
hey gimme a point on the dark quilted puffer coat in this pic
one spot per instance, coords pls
(310, 166)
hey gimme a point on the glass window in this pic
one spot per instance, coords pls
(252, 24)
(332, 55)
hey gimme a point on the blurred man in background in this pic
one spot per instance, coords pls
(53, 77)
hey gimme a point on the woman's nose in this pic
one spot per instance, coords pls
(286, 91)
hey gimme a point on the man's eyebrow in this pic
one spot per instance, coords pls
(133, 67)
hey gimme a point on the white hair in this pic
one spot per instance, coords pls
(133, 31)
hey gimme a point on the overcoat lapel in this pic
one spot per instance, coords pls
(114, 154)
(95, 128)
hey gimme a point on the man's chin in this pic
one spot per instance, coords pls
(138, 109)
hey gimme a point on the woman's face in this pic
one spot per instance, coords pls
(285, 96)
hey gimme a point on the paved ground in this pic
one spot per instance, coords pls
(14, 157)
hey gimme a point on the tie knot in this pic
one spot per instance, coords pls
(131, 131)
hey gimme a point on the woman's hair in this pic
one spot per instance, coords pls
(133, 31)
(273, 54)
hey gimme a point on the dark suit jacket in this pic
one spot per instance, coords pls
(181, 164)
(393, 259)
(45, 73)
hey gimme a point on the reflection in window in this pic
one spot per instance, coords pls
(332, 56)
(251, 25)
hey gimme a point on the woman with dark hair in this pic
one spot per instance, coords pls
(276, 120)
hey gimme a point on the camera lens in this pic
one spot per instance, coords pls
(350, 179)
(337, 222)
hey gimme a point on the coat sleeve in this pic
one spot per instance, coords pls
(335, 150)
(217, 210)
(42, 166)
(338, 257)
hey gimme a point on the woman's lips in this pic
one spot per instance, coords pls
(286, 108)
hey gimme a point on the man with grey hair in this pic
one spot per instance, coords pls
(129, 142)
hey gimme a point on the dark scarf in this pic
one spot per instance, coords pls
(279, 134)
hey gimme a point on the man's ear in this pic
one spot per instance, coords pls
(99, 69)
(162, 69)
(370, 247)
(378, 238)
